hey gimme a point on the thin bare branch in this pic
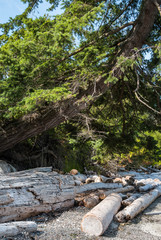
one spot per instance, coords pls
(154, 110)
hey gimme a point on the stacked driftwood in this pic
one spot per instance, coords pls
(28, 193)
(138, 192)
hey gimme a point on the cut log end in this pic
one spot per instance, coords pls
(92, 225)
(98, 219)
(91, 201)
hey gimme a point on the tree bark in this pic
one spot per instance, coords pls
(18, 131)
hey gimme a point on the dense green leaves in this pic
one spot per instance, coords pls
(51, 59)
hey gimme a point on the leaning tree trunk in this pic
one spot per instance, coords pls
(31, 125)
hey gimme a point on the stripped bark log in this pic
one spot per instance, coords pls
(98, 219)
(104, 194)
(131, 199)
(14, 228)
(144, 185)
(138, 205)
(148, 181)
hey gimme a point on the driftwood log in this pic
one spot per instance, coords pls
(138, 205)
(104, 194)
(98, 219)
(131, 199)
(28, 193)
(14, 228)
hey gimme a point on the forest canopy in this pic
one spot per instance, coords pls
(95, 67)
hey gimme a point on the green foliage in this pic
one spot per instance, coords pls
(34, 100)
(31, 60)
(51, 59)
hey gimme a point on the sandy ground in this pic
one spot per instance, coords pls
(66, 226)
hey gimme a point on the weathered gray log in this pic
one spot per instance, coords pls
(5, 199)
(143, 182)
(96, 186)
(138, 205)
(144, 169)
(14, 228)
(147, 187)
(104, 194)
(80, 177)
(144, 185)
(152, 213)
(131, 199)
(98, 219)
(28, 193)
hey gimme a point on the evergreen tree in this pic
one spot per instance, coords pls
(92, 55)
